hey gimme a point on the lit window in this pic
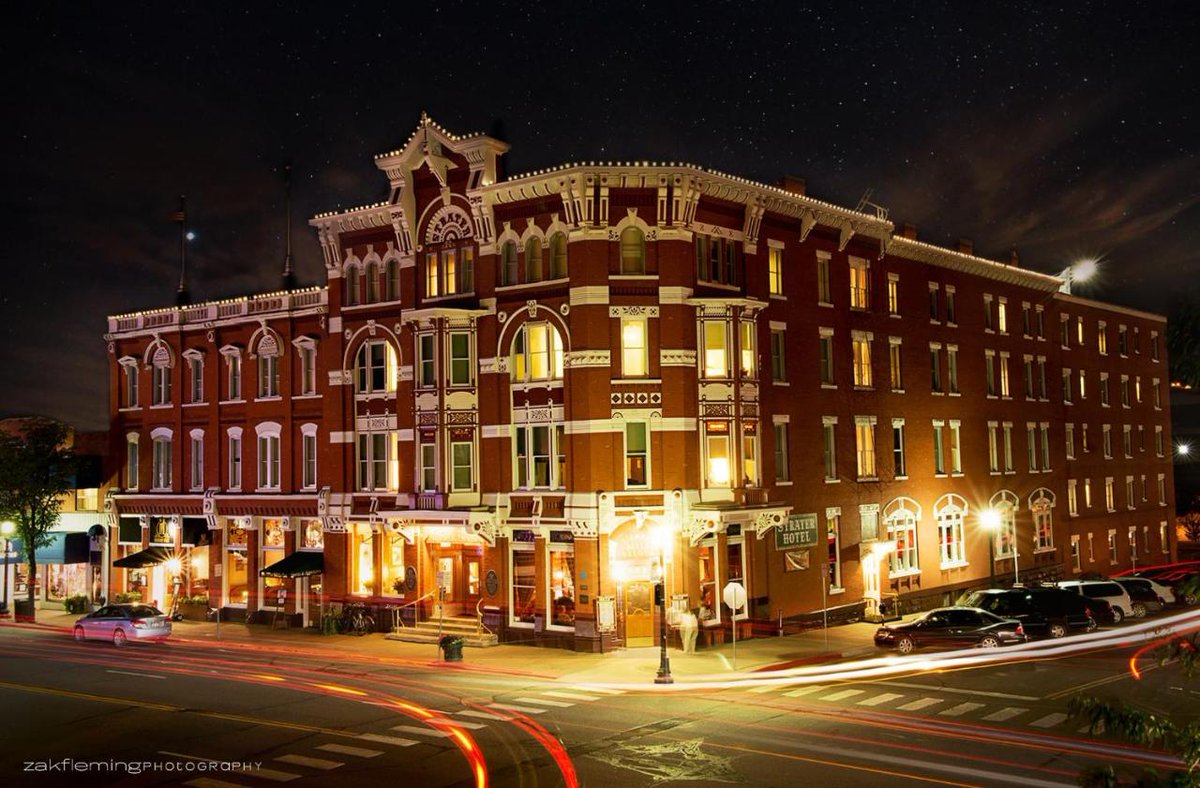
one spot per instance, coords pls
(893, 294)
(633, 251)
(637, 455)
(161, 377)
(833, 528)
(775, 271)
(537, 353)
(862, 359)
(1004, 391)
(860, 284)
(750, 454)
(634, 348)
(431, 275)
(955, 447)
(716, 436)
(902, 530)
(375, 368)
(993, 447)
(716, 357)
(1043, 525)
(1002, 316)
(864, 436)
(952, 548)
(748, 349)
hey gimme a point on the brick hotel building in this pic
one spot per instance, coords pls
(541, 392)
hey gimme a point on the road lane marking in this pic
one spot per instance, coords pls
(1007, 713)
(960, 709)
(1049, 721)
(556, 703)
(418, 731)
(131, 673)
(395, 740)
(886, 697)
(522, 709)
(344, 749)
(471, 726)
(799, 693)
(842, 694)
(266, 774)
(923, 703)
(307, 760)
(208, 782)
(571, 696)
(483, 715)
(600, 691)
(957, 691)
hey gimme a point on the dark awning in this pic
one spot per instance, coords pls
(300, 564)
(152, 556)
(63, 548)
(195, 532)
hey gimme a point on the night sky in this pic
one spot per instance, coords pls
(1061, 131)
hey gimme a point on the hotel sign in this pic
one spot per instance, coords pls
(800, 530)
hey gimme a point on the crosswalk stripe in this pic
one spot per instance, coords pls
(208, 782)
(1007, 713)
(471, 726)
(798, 693)
(960, 709)
(886, 697)
(600, 691)
(570, 696)
(309, 761)
(345, 749)
(923, 703)
(1049, 721)
(522, 709)
(842, 694)
(395, 740)
(556, 703)
(419, 731)
(483, 715)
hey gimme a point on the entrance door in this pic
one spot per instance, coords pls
(871, 595)
(639, 613)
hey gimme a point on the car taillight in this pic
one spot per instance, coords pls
(139, 623)
(1088, 610)
(1020, 630)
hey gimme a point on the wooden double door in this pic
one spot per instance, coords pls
(639, 613)
(459, 570)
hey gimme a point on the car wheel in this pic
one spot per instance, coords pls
(119, 638)
(989, 641)
(80, 635)
(1118, 615)
(1189, 599)
(905, 645)
(1057, 630)
(1139, 610)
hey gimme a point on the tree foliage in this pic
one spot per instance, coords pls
(1189, 523)
(1183, 344)
(36, 469)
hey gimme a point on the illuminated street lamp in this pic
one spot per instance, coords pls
(1081, 271)
(662, 536)
(1183, 449)
(991, 522)
(7, 528)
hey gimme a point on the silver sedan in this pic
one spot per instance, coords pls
(122, 623)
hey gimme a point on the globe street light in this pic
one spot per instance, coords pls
(1081, 271)
(990, 520)
(7, 528)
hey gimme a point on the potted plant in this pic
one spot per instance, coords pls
(193, 608)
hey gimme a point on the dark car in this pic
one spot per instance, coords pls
(956, 627)
(1042, 611)
(1101, 610)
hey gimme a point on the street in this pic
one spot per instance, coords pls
(269, 715)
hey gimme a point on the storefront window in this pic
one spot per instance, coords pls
(64, 580)
(363, 558)
(393, 564)
(562, 585)
(524, 584)
(707, 567)
(272, 552)
(197, 572)
(237, 567)
(312, 538)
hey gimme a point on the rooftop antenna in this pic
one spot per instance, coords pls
(289, 277)
(182, 295)
(864, 202)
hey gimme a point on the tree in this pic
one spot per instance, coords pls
(1147, 729)
(1189, 525)
(1183, 344)
(37, 468)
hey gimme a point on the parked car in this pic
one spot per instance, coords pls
(122, 623)
(957, 627)
(1173, 575)
(1164, 592)
(1043, 612)
(1143, 594)
(1099, 609)
(1112, 592)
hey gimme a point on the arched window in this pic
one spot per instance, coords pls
(508, 263)
(1005, 505)
(161, 365)
(268, 367)
(391, 287)
(375, 368)
(633, 251)
(533, 260)
(558, 256)
(1041, 502)
(950, 510)
(352, 285)
(372, 283)
(537, 353)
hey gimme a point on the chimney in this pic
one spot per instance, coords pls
(909, 231)
(1014, 259)
(965, 246)
(793, 185)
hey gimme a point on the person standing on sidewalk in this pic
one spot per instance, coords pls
(688, 629)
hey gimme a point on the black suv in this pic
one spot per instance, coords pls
(1043, 612)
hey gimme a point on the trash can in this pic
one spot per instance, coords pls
(24, 610)
(452, 646)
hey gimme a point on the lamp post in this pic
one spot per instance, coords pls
(990, 520)
(664, 662)
(7, 528)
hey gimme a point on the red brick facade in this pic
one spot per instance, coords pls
(534, 385)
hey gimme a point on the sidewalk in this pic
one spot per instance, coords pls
(634, 665)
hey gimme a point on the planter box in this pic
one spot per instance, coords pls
(193, 611)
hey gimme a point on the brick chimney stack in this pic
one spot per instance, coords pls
(794, 185)
(1014, 259)
(965, 246)
(909, 231)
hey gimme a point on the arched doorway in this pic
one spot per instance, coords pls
(640, 557)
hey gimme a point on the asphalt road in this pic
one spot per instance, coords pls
(186, 713)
